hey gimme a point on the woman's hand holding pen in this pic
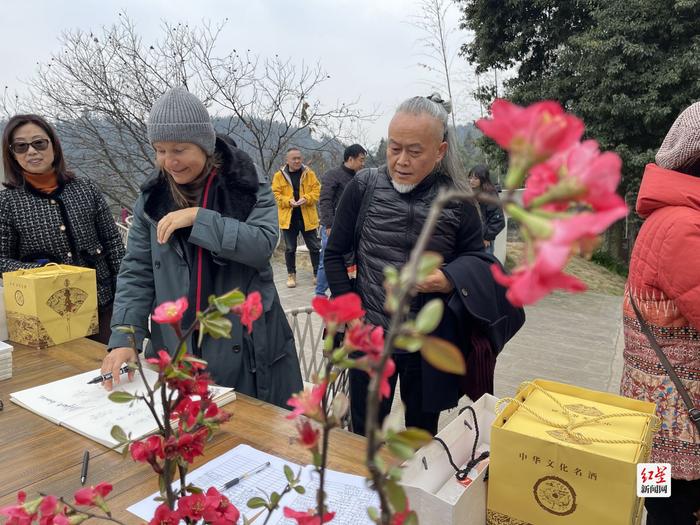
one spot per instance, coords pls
(113, 361)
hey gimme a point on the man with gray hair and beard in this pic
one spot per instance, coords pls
(379, 217)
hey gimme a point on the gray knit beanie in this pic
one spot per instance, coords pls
(682, 142)
(179, 116)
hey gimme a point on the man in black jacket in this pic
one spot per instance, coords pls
(332, 185)
(420, 161)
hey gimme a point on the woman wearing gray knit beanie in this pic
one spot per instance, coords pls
(664, 283)
(205, 223)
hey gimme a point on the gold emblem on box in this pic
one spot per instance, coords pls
(555, 495)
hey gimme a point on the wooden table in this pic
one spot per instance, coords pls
(39, 456)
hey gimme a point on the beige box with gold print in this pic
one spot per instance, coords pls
(50, 305)
(567, 455)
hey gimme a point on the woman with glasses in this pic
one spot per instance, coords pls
(491, 214)
(47, 214)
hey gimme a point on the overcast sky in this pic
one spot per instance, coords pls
(369, 47)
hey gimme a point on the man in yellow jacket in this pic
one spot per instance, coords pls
(297, 190)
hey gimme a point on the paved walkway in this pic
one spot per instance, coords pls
(574, 339)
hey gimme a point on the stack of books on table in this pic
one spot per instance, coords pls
(5, 361)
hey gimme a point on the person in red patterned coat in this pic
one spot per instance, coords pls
(664, 281)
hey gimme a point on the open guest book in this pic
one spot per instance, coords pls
(87, 410)
(347, 495)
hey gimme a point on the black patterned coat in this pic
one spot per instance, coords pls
(72, 225)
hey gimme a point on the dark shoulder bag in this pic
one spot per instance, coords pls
(693, 411)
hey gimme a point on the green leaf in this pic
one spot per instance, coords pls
(338, 355)
(121, 397)
(443, 355)
(400, 450)
(232, 298)
(118, 434)
(274, 500)
(397, 497)
(300, 489)
(428, 263)
(414, 437)
(216, 327)
(391, 276)
(256, 503)
(429, 316)
(408, 342)
(411, 519)
(288, 473)
(373, 514)
(193, 489)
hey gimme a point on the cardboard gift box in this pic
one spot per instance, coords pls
(429, 479)
(567, 455)
(50, 305)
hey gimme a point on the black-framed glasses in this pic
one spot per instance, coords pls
(23, 147)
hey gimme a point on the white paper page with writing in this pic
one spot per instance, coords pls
(226, 467)
(64, 399)
(346, 494)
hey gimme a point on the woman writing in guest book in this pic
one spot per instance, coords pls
(205, 223)
(47, 214)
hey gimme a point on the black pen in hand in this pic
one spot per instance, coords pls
(83, 471)
(107, 376)
(236, 481)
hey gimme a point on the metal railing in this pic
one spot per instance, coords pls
(308, 336)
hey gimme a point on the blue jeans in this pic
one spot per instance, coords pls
(321, 280)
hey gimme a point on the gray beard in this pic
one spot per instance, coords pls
(403, 188)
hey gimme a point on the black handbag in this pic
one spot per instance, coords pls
(693, 411)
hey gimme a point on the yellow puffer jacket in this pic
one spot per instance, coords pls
(309, 189)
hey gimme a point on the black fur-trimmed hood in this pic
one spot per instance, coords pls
(233, 190)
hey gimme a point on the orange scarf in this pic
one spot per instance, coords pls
(44, 182)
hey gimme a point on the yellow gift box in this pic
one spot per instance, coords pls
(50, 305)
(567, 455)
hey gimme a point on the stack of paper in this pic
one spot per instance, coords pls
(5, 361)
(86, 409)
(346, 495)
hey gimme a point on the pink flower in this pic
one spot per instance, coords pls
(49, 505)
(366, 363)
(191, 445)
(218, 510)
(571, 232)
(163, 360)
(342, 309)
(250, 310)
(309, 517)
(527, 285)
(307, 402)
(170, 312)
(581, 173)
(533, 133)
(165, 516)
(384, 386)
(365, 337)
(188, 411)
(308, 435)
(17, 514)
(93, 495)
(147, 450)
(191, 506)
